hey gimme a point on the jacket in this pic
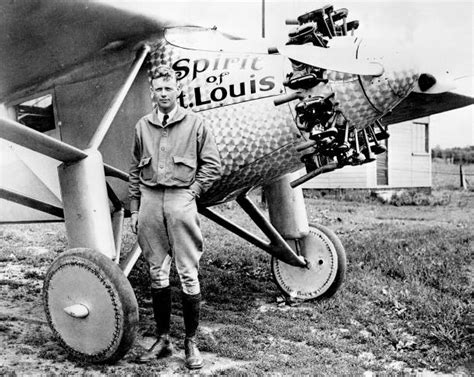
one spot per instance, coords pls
(181, 154)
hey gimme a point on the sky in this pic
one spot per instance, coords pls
(441, 30)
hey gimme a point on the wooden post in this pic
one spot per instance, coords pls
(462, 178)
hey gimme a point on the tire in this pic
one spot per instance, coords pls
(341, 261)
(90, 279)
(326, 271)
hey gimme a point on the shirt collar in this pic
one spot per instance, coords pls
(153, 117)
(171, 114)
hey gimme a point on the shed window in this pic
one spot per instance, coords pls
(420, 138)
(37, 113)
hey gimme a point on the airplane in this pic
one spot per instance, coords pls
(74, 79)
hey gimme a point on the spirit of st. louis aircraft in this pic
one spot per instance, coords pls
(74, 79)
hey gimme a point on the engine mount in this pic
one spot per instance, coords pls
(332, 141)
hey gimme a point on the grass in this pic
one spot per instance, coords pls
(406, 303)
(446, 175)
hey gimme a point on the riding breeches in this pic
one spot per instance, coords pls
(169, 228)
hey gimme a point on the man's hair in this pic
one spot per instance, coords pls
(165, 72)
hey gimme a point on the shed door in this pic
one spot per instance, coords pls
(382, 167)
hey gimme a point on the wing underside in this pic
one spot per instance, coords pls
(418, 105)
(48, 45)
(42, 39)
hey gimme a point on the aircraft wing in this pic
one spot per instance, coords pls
(60, 44)
(41, 39)
(418, 105)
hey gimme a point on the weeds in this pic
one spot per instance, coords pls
(406, 303)
(417, 198)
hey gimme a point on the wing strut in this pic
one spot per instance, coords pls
(27, 201)
(38, 142)
(26, 137)
(112, 111)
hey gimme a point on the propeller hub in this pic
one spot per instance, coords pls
(426, 81)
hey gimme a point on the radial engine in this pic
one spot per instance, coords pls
(339, 113)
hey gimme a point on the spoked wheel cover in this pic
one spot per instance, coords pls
(326, 258)
(90, 279)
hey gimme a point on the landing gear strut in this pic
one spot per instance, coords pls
(308, 260)
(321, 249)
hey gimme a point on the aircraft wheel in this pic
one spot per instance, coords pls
(325, 273)
(90, 306)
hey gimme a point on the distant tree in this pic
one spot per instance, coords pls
(436, 152)
(455, 155)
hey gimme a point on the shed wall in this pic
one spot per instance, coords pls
(408, 160)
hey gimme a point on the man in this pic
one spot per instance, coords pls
(174, 161)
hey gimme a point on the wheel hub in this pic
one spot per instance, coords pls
(90, 306)
(324, 270)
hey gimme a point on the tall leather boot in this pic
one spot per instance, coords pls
(161, 299)
(191, 310)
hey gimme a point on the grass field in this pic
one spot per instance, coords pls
(406, 304)
(446, 175)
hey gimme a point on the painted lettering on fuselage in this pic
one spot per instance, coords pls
(186, 66)
(211, 79)
(225, 78)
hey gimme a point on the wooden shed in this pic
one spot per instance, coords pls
(406, 164)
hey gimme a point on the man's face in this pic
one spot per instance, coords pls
(166, 93)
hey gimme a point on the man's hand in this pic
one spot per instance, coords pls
(134, 223)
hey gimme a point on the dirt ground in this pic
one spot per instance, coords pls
(28, 347)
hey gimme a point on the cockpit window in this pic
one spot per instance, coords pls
(37, 113)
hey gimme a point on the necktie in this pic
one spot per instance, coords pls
(165, 120)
